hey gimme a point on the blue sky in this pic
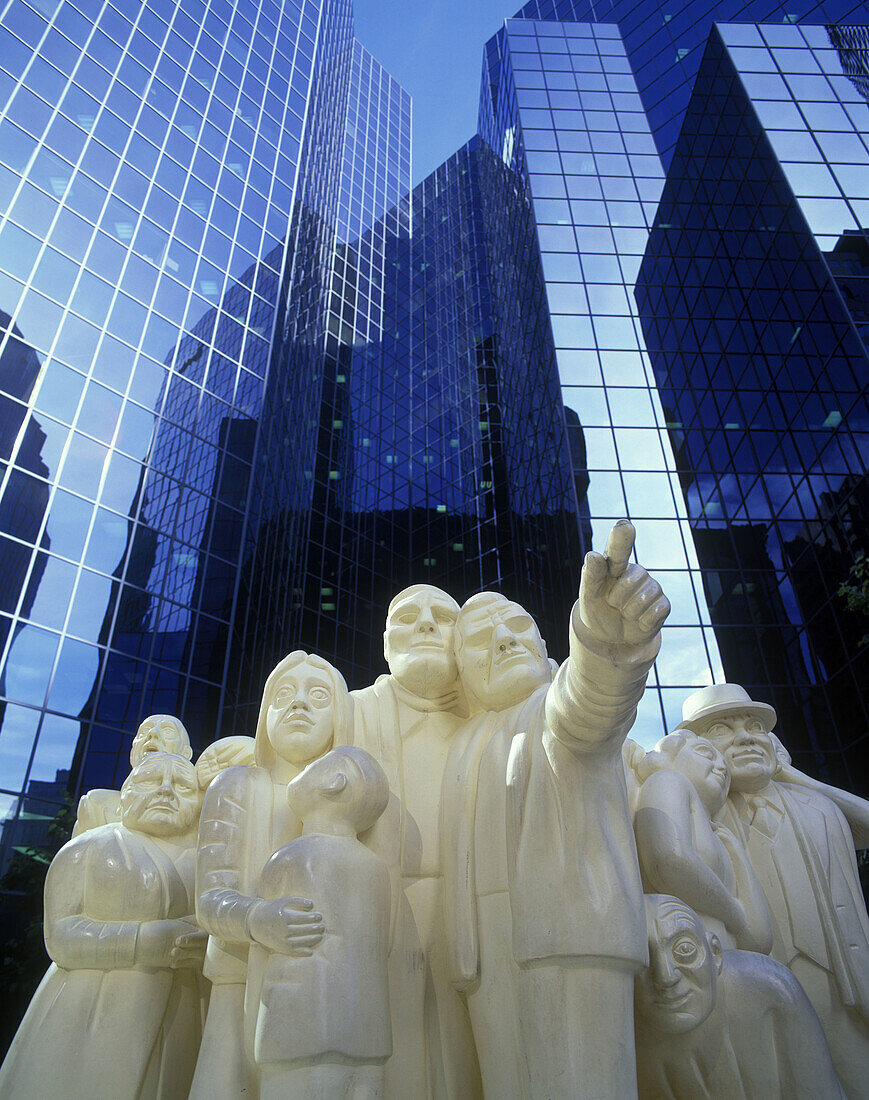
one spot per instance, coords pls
(434, 49)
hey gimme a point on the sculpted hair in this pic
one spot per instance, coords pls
(412, 590)
(663, 754)
(342, 707)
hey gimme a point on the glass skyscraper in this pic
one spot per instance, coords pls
(754, 294)
(251, 383)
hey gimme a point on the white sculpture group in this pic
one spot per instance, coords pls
(434, 887)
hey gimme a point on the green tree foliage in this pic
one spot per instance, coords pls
(23, 959)
(855, 591)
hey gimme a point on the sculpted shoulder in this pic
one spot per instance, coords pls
(231, 787)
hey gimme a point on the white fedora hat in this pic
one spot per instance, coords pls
(702, 706)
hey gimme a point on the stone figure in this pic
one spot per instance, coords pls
(322, 1026)
(543, 896)
(686, 851)
(733, 1024)
(225, 967)
(119, 1011)
(245, 819)
(158, 733)
(407, 721)
(226, 752)
(801, 849)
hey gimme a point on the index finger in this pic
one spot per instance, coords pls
(619, 546)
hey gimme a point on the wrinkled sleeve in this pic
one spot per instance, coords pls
(74, 940)
(222, 901)
(593, 699)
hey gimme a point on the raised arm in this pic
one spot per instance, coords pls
(615, 635)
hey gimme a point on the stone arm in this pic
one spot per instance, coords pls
(758, 932)
(234, 844)
(76, 941)
(854, 809)
(669, 862)
(224, 899)
(615, 635)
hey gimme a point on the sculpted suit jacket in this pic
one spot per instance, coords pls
(808, 870)
(568, 828)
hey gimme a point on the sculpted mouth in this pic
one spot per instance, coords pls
(673, 1002)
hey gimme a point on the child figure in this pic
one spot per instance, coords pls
(322, 1023)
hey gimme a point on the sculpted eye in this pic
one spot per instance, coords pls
(685, 951)
(320, 695)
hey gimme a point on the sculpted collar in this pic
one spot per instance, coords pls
(450, 701)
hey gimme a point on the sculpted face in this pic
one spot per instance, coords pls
(418, 641)
(705, 769)
(300, 716)
(678, 991)
(502, 658)
(161, 796)
(160, 733)
(748, 749)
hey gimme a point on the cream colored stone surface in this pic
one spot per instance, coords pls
(801, 848)
(728, 1025)
(431, 888)
(119, 1012)
(157, 733)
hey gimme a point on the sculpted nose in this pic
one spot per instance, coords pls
(425, 624)
(503, 638)
(300, 700)
(664, 973)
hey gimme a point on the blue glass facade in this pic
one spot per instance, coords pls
(251, 384)
(665, 40)
(169, 176)
(754, 303)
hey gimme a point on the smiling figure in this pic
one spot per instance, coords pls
(733, 1024)
(802, 851)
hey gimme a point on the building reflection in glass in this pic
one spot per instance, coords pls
(753, 299)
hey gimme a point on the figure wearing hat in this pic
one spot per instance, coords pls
(802, 851)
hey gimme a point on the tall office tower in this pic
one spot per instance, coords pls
(171, 180)
(561, 110)
(665, 40)
(754, 295)
(316, 575)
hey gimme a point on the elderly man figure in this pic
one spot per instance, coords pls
(685, 850)
(801, 849)
(735, 1025)
(158, 733)
(544, 901)
(407, 721)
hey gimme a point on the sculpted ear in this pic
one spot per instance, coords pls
(715, 948)
(385, 648)
(335, 785)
